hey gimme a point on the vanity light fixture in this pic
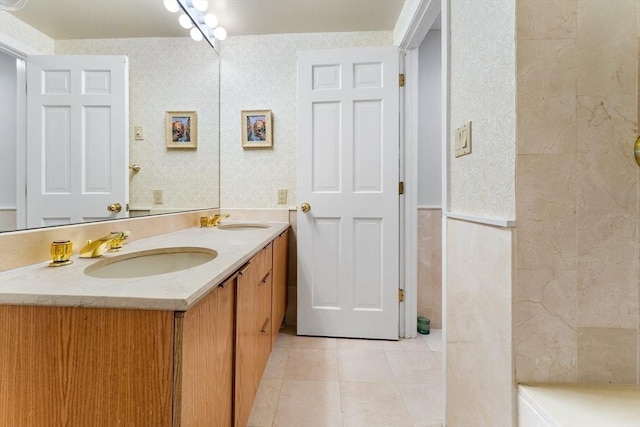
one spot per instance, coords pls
(201, 24)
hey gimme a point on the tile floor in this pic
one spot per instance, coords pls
(329, 382)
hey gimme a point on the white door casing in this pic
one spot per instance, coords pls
(77, 138)
(348, 172)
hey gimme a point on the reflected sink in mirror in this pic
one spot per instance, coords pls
(242, 226)
(150, 262)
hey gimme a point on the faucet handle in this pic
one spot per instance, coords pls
(117, 243)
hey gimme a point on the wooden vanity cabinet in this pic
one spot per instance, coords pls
(203, 360)
(80, 366)
(253, 330)
(279, 289)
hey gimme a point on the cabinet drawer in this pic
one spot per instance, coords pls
(263, 261)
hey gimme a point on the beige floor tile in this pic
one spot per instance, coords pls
(313, 342)
(265, 403)
(424, 402)
(312, 364)
(356, 344)
(284, 339)
(308, 404)
(409, 344)
(364, 366)
(434, 339)
(277, 363)
(373, 405)
(415, 367)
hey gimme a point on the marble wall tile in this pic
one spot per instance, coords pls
(479, 356)
(546, 212)
(546, 97)
(546, 19)
(606, 33)
(563, 309)
(545, 322)
(607, 355)
(430, 265)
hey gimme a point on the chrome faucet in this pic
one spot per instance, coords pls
(95, 248)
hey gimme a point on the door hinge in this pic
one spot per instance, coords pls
(401, 187)
(401, 80)
(400, 295)
(127, 207)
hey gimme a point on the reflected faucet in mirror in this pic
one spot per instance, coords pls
(95, 248)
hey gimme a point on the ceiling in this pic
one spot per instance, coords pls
(78, 19)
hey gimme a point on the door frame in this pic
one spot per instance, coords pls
(20, 51)
(415, 21)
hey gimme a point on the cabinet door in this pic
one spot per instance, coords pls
(77, 367)
(279, 287)
(253, 331)
(204, 361)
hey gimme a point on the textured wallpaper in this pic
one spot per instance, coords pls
(482, 90)
(18, 30)
(167, 74)
(260, 72)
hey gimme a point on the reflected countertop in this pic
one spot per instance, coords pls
(69, 286)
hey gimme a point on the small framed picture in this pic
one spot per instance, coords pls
(257, 131)
(182, 129)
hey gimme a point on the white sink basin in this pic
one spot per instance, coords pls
(241, 226)
(150, 262)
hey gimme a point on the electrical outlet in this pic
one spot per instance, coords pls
(157, 197)
(138, 133)
(282, 196)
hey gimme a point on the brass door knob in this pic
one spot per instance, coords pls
(114, 207)
(135, 168)
(636, 150)
(305, 207)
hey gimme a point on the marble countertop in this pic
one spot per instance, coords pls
(68, 286)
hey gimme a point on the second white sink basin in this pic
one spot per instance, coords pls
(150, 262)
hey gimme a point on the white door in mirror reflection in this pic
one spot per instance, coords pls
(348, 171)
(77, 138)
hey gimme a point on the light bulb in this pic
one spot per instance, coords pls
(210, 20)
(171, 5)
(196, 34)
(220, 33)
(201, 5)
(185, 21)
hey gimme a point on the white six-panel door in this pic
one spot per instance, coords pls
(348, 174)
(77, 138)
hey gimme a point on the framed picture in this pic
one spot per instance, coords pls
(182, 129)
(257, 130)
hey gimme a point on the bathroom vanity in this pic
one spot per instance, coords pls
(186, 348)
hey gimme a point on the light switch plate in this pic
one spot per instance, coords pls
(282, 196)
(463, 140)
(138, 133)
(157, 197)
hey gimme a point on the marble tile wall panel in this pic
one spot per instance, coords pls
(578, 269)
(430, 265)
(479, 356)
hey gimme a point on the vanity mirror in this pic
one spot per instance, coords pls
(167, 70)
